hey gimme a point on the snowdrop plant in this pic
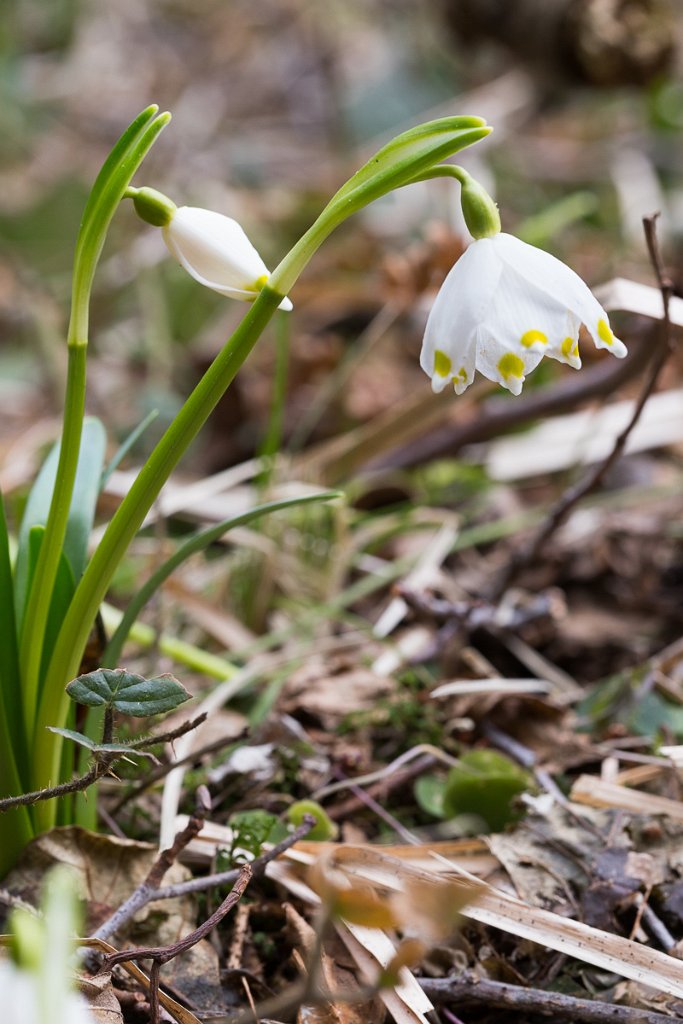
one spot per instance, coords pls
(35, 982)
(51, 592)
(505, 305)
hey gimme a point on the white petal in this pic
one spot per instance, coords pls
(457, 311)
(561, 283)
(216, 252)
(567, 351)
(497, 361)
(523, 319)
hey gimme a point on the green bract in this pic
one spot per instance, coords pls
(400, 162)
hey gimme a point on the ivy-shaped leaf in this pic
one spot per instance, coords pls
(128, 693)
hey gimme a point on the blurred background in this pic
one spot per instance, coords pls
(274, 103)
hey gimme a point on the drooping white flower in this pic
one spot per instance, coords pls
(503, 306)
(215, 251)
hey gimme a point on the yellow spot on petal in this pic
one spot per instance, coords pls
(510, 365)
(532, 337)
(462, 374)
(442, 364)
(570, 347)
(257, 284)
(605, 332)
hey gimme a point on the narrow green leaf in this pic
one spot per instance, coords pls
(61, 597)
(128, 693)
(81, 512)
(85, 494)
(196, 543)
(10, 676)
(126, 446)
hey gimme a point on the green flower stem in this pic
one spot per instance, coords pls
(287, 271)
(273, 438)
(123, 527)
(40, 597)
(479, 210)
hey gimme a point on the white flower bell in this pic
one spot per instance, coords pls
(503, 306)
(215, 251)
(211, 247)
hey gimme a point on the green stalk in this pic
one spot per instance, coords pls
(106, 194)
(123, 527)
(273, 438)
(40, 597)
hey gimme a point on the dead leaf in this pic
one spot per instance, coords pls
(108, 869)
(99, 993)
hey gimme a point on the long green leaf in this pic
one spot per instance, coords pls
(62, 593)
(81, 513)
(126, 446)
(10, 677)
(16, 824)
(196, 543)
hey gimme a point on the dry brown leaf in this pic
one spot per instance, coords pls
(99, 994)
(337, 978)
(333, 696)
(371, 948)
(500, 910)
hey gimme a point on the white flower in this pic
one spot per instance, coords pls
(216, 252)
(503, 306)
(24, 1002)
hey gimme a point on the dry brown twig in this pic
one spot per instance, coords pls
(147, 892)
(560, 511)
(469, 989)
(160, 955)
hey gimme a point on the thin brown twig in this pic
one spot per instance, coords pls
(103, 762)
(161, 770)
(559, 512)
(470, 989)
(145, 894)
(160, 955)
(163, 862)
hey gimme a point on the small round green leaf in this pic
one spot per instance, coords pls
(485, 783)
(128, 693)
(324, 828)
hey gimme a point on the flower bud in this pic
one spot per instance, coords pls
(216, 252)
